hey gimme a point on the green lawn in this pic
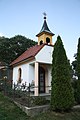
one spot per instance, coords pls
(58, 116)
(9, 111)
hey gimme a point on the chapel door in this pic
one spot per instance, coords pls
(41, 80)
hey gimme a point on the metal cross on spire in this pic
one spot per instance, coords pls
(44, 13)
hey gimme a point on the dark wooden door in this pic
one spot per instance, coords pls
(41, 80)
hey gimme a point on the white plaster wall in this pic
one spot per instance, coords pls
(49, 75)
(31, 73)
(27, 75)
(15, 75)
(24, 74)
(45, 55)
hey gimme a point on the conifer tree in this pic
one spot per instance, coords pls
(78, 59)
(77, 95)
(61, 93)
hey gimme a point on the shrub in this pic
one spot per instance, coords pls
(39, 100)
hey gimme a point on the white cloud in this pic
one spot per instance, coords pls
(1, 34)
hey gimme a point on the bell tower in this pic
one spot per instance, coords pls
(45, 35)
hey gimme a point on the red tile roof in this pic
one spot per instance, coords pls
(29, 53)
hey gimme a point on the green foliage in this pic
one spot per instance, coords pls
(78, 60)
(50, 115)
(61, 94)
(11, 48)
(9, 111)
(77, 69)
(6, 87)
(77, 92)
(40, 100)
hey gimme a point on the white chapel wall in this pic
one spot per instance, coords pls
(15, 75)
(31, 73)
(24, 74)
(49, 76)
(45, 55)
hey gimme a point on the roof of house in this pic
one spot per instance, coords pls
(29, 53)
(45, 28)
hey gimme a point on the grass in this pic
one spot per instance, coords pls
(49, 115)
(9, 111)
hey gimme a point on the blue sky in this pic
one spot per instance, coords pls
(24, 17)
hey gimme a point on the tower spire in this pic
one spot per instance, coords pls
(45, 35)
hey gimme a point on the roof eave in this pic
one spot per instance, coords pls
(44, 32)
(25, 60)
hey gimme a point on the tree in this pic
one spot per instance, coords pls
(78, 60)
(77, 69)
(62, 97)
(11, 48)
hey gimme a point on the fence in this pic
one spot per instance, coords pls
(21, 93)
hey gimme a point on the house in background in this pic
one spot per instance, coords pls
(34, 65)
(5, 73)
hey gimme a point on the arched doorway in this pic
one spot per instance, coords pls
(41, 80)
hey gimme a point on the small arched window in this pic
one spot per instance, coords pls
(47, 40)
(41, 42)
(19, 75)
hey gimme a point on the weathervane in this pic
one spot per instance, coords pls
(44, 13)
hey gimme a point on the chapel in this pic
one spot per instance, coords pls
(34, 65)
